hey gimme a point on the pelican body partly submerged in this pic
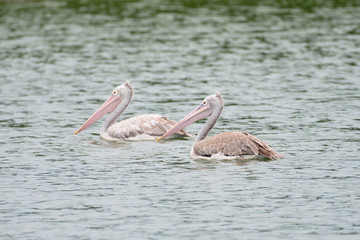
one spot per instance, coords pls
(142, 127)
(227, 145)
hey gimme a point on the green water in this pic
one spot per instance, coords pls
(288, 72)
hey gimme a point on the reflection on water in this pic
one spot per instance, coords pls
(287, 70)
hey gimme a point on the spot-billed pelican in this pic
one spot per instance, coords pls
(142, 127)
(227, 145)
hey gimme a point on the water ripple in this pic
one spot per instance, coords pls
(288, 72)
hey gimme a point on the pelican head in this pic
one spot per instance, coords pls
(210, 104)
(124, 91)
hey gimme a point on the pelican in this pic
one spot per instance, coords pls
(223, 146)
(142, 127)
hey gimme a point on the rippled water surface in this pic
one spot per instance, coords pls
(288, 73)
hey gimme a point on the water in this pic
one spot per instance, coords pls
(288, 72)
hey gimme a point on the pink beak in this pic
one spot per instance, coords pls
(109, 105)
(197, 114)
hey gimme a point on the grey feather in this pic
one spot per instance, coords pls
(234, 144)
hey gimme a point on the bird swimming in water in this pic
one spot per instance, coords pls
(226, 145)
(142, 127)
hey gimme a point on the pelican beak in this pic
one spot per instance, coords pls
(109, 105)
(198, 113)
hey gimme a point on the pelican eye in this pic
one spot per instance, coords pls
(114, 92)
(204, 102)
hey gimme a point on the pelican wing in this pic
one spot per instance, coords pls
(234, 144)
(151, 124)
